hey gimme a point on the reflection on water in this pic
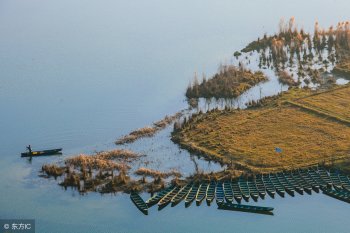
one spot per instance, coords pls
(162, 154)
(342, 81)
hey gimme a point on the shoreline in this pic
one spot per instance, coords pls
(198, 134)
(231, 81)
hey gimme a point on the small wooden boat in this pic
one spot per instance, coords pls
(294, 184)
(181, 195)
(260, 186)
(285, 183)
(211, 192)
(278, 186)
(139, 203)
(307, 187)
(167, 198)
(191, 195)
(344, 181)
(254, 193)
(42, 153)
(237, 194)
(308, 179)
(228, 191)
(323, 185)
(219, 193)
(156, 197)
(343, 192)
(244, 188)
(324, 175)
(246, 208)
(335, 180)
(269, 186)
(202, 192)
(337, 195)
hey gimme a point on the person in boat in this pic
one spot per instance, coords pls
(29, 149)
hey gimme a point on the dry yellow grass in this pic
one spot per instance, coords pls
(95, 162)
(52, 170)
(154, 173)
(229, 82)
(118, 154)
(334, 102)
(249, 137)
(148, 131)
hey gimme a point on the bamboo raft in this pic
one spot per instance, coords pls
(226, 192)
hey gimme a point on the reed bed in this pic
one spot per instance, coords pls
(95, 162)
(52, 170)
(101, 173)
(136, 134)
(148, 131)
(118, 154)
(229, 82)
(154, 173)
(71, 180)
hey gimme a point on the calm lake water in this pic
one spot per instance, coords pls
(78, 74)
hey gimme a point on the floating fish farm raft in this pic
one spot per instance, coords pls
(229, 193)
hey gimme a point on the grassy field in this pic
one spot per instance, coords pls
(335, 102)
(248, 138)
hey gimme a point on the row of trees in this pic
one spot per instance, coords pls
(296, 41)
(291, 46)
